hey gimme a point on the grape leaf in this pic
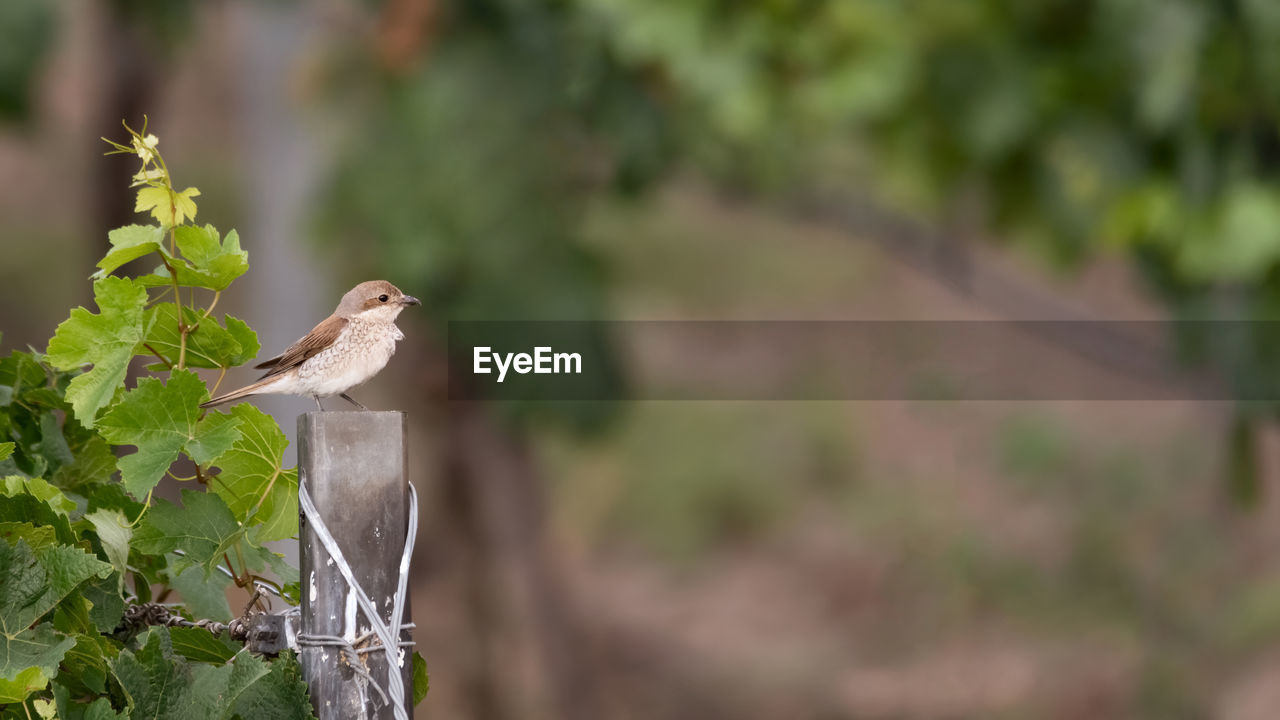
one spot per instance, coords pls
(99, 709)
(202, 527)
(31, 584)
(208, 262)
(260, 559)
(130, 243)
(150, 680)
(161, 420)
(107, 601)
(36, 537)
(213, 435)
(219, 262)
(280, 695)
(93, 466)
(52, 445)
(208, 346)
(107, 340)
(17, 505)
(253, 476)
(204, 595)
(247, 338)
(35, 581)
(18, 372)
(23, 684)
(200, 645)
(114, 531)
(85, 664)
(39, 647)
(40, 490)
(421, 681)
(45, 709)
(164, 686)
(6, 449)
(168, 210)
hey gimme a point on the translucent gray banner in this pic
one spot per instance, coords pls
(864, 360)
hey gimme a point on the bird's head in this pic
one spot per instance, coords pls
(376, 300)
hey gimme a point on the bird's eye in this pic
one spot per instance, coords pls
(382, 298)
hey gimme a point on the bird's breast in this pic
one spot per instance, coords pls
(359, 352)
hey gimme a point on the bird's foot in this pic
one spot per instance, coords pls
(318, 405)
(351, 400)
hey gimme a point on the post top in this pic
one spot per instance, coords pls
(353, 412)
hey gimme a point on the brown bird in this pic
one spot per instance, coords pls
(345, 350)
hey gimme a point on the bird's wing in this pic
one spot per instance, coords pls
(320, 337)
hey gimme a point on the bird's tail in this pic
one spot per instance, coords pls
(262, 386)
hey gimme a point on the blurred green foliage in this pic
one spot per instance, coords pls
(26, 36)
(1146, 127)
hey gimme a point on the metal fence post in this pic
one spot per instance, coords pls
(354, 467)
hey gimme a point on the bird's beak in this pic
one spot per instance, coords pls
(410, 300)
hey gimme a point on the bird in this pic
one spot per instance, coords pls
(345, 350)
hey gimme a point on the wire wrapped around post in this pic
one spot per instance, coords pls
(359, 519)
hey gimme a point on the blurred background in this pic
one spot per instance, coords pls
(740, 159)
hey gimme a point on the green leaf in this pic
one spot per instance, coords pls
(93, 466)
(421, 681)
(45, 709)
(39, 647)
(200, 645)
(20, 506)
(161, 419)
(107, 340)
(84, 668)
(31, 584)
(150, 679)
(162, 685)
(35, 581)
(260, 559)
(280, 695)
(52, 445)
(66, 568)
(247, 338)
(99, 709)
(205, 595)
(114, 531)
(6, 449)
(18, 372)
(216, 262)
(40, 490)
(168, 210)
(209, 263)
(107, 602)
(202, 527)
(254, 482)
(208, 346)
(129, 243)
(71, 616)
(213, 436)
(23, 684)
(36, 537)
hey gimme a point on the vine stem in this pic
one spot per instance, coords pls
(216, 295)
(263, 497)
(173, 250)
(222, 372)
(182, 324)
(145, 505)
(235, 577)
(159, 357)
(159, 296)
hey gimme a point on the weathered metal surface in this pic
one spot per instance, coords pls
(354, 466)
